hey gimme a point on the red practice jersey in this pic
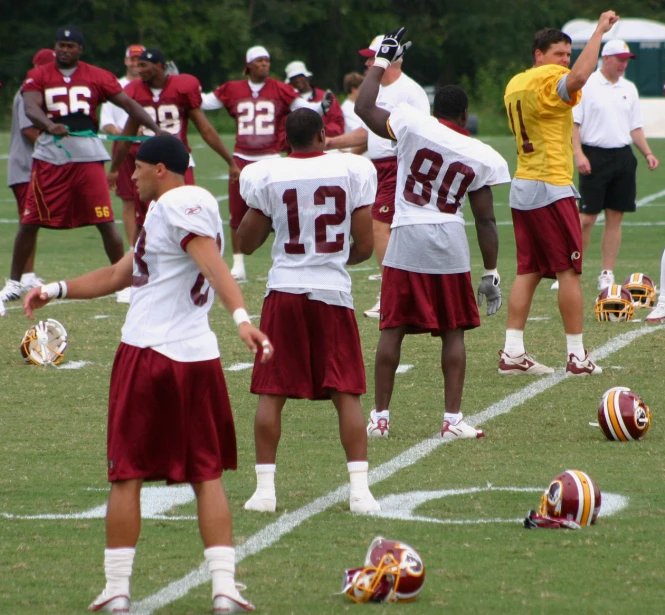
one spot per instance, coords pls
(169, 108)
(334, 119)
(260, 116)
(81, 93)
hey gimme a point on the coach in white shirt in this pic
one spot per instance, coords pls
(607, 121)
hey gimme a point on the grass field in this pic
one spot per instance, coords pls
(478, 557)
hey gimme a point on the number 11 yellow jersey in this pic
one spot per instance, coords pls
(542, 124)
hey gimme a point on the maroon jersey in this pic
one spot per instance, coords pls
(334, 119)
(81, 93)
(170, 108)
(260, 117)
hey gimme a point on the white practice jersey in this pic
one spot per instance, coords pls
(437, 166)
(112, 114)
(170, 298)
(404, 90)
(310, 200)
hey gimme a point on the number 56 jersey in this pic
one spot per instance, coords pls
(310, 198)
(170, 298)
(437, 164)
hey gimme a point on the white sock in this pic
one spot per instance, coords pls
(238, 260)
(661, 298)
(265, 478)
(118, 568)
(453, 419)
(382, 414)
(514, 346)
(28, 277)
(358, 477)
(607, 272)
(222, 566)
(575, 345)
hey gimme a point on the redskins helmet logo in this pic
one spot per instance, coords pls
(623, 415)
(384, 209)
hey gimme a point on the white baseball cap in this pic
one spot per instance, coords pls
(617, 47)
(370, 51)
(296, 68)
(254, 53)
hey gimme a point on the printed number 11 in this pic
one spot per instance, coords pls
(527, 146)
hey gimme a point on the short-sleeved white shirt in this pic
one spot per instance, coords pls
(608, 112)
(170, 298)
(403, 90)
(351, 119)
(112, 114)
(310, 199)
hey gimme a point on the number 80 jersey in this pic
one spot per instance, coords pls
(437, 164)
(170, 298)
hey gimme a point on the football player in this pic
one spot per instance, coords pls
(171, 100)
(543, 203)
(259, 105)
(426, 285)
(169, 413)
(658, 313)
(67, 190)
(316, 205)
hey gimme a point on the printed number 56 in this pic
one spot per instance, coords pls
(103, 212)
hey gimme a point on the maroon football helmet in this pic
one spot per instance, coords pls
(393, 572)
(572, 495)
(615, 304)
(641, 289)
(622, 415)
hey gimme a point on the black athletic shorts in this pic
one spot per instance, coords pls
(611, 183)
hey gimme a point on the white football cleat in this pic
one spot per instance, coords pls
(521, 365)
(555, 285)
(30, 281)
(375, 277)
(122, 296)
(231, 604)
(3, 311)
(460, 430)
(374, 312)
(657, 314)
(238, 273)
(114, 604)
(363, 503)
(582, 367)
(12, 291)
(605, 279)
(378, 427)
(262, 501)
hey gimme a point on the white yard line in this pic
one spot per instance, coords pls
(272, 532)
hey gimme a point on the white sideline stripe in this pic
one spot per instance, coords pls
(401, 369)
(272, 532)
(639, 203)
(74, 364)
(236, 367)
(219, 199)
(61, 302)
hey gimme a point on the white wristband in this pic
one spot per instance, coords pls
(491, 272)
(240, 316)
(381, 63)
(55, 290)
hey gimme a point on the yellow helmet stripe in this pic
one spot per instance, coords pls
(635, 278)
(586, 496)
(612, 405)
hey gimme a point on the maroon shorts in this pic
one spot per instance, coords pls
(67, 196)
(141, 207)
(383, 209)
(125, 187)
(168, 420)
(317, 349)
(549, 239)
(237, 206)
(20, 194)
(427, 302)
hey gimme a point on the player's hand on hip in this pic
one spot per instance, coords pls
(59, 130)
(34, 300)
(583, 165)
(652, 161)
(489, 289)
(234, 172)
(607, 20)
(112, 179)
(255, 339)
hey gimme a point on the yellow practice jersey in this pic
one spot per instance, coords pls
(542, 124)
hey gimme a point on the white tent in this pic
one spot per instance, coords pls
(627, 28)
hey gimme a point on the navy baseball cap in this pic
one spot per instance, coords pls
(154, 56)
(69, 33)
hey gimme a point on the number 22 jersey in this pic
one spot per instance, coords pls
(170, 298)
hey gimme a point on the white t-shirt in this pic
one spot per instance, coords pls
(170, 298)
(310, 201)
(404, 90)
(112, 114)
(351, 120)
(436, 167)
(608, 112)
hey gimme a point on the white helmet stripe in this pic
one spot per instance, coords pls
(580, 496)
(622, 425)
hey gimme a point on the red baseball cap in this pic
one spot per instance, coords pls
(134, 50)
(43, 56)
(370, 51)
